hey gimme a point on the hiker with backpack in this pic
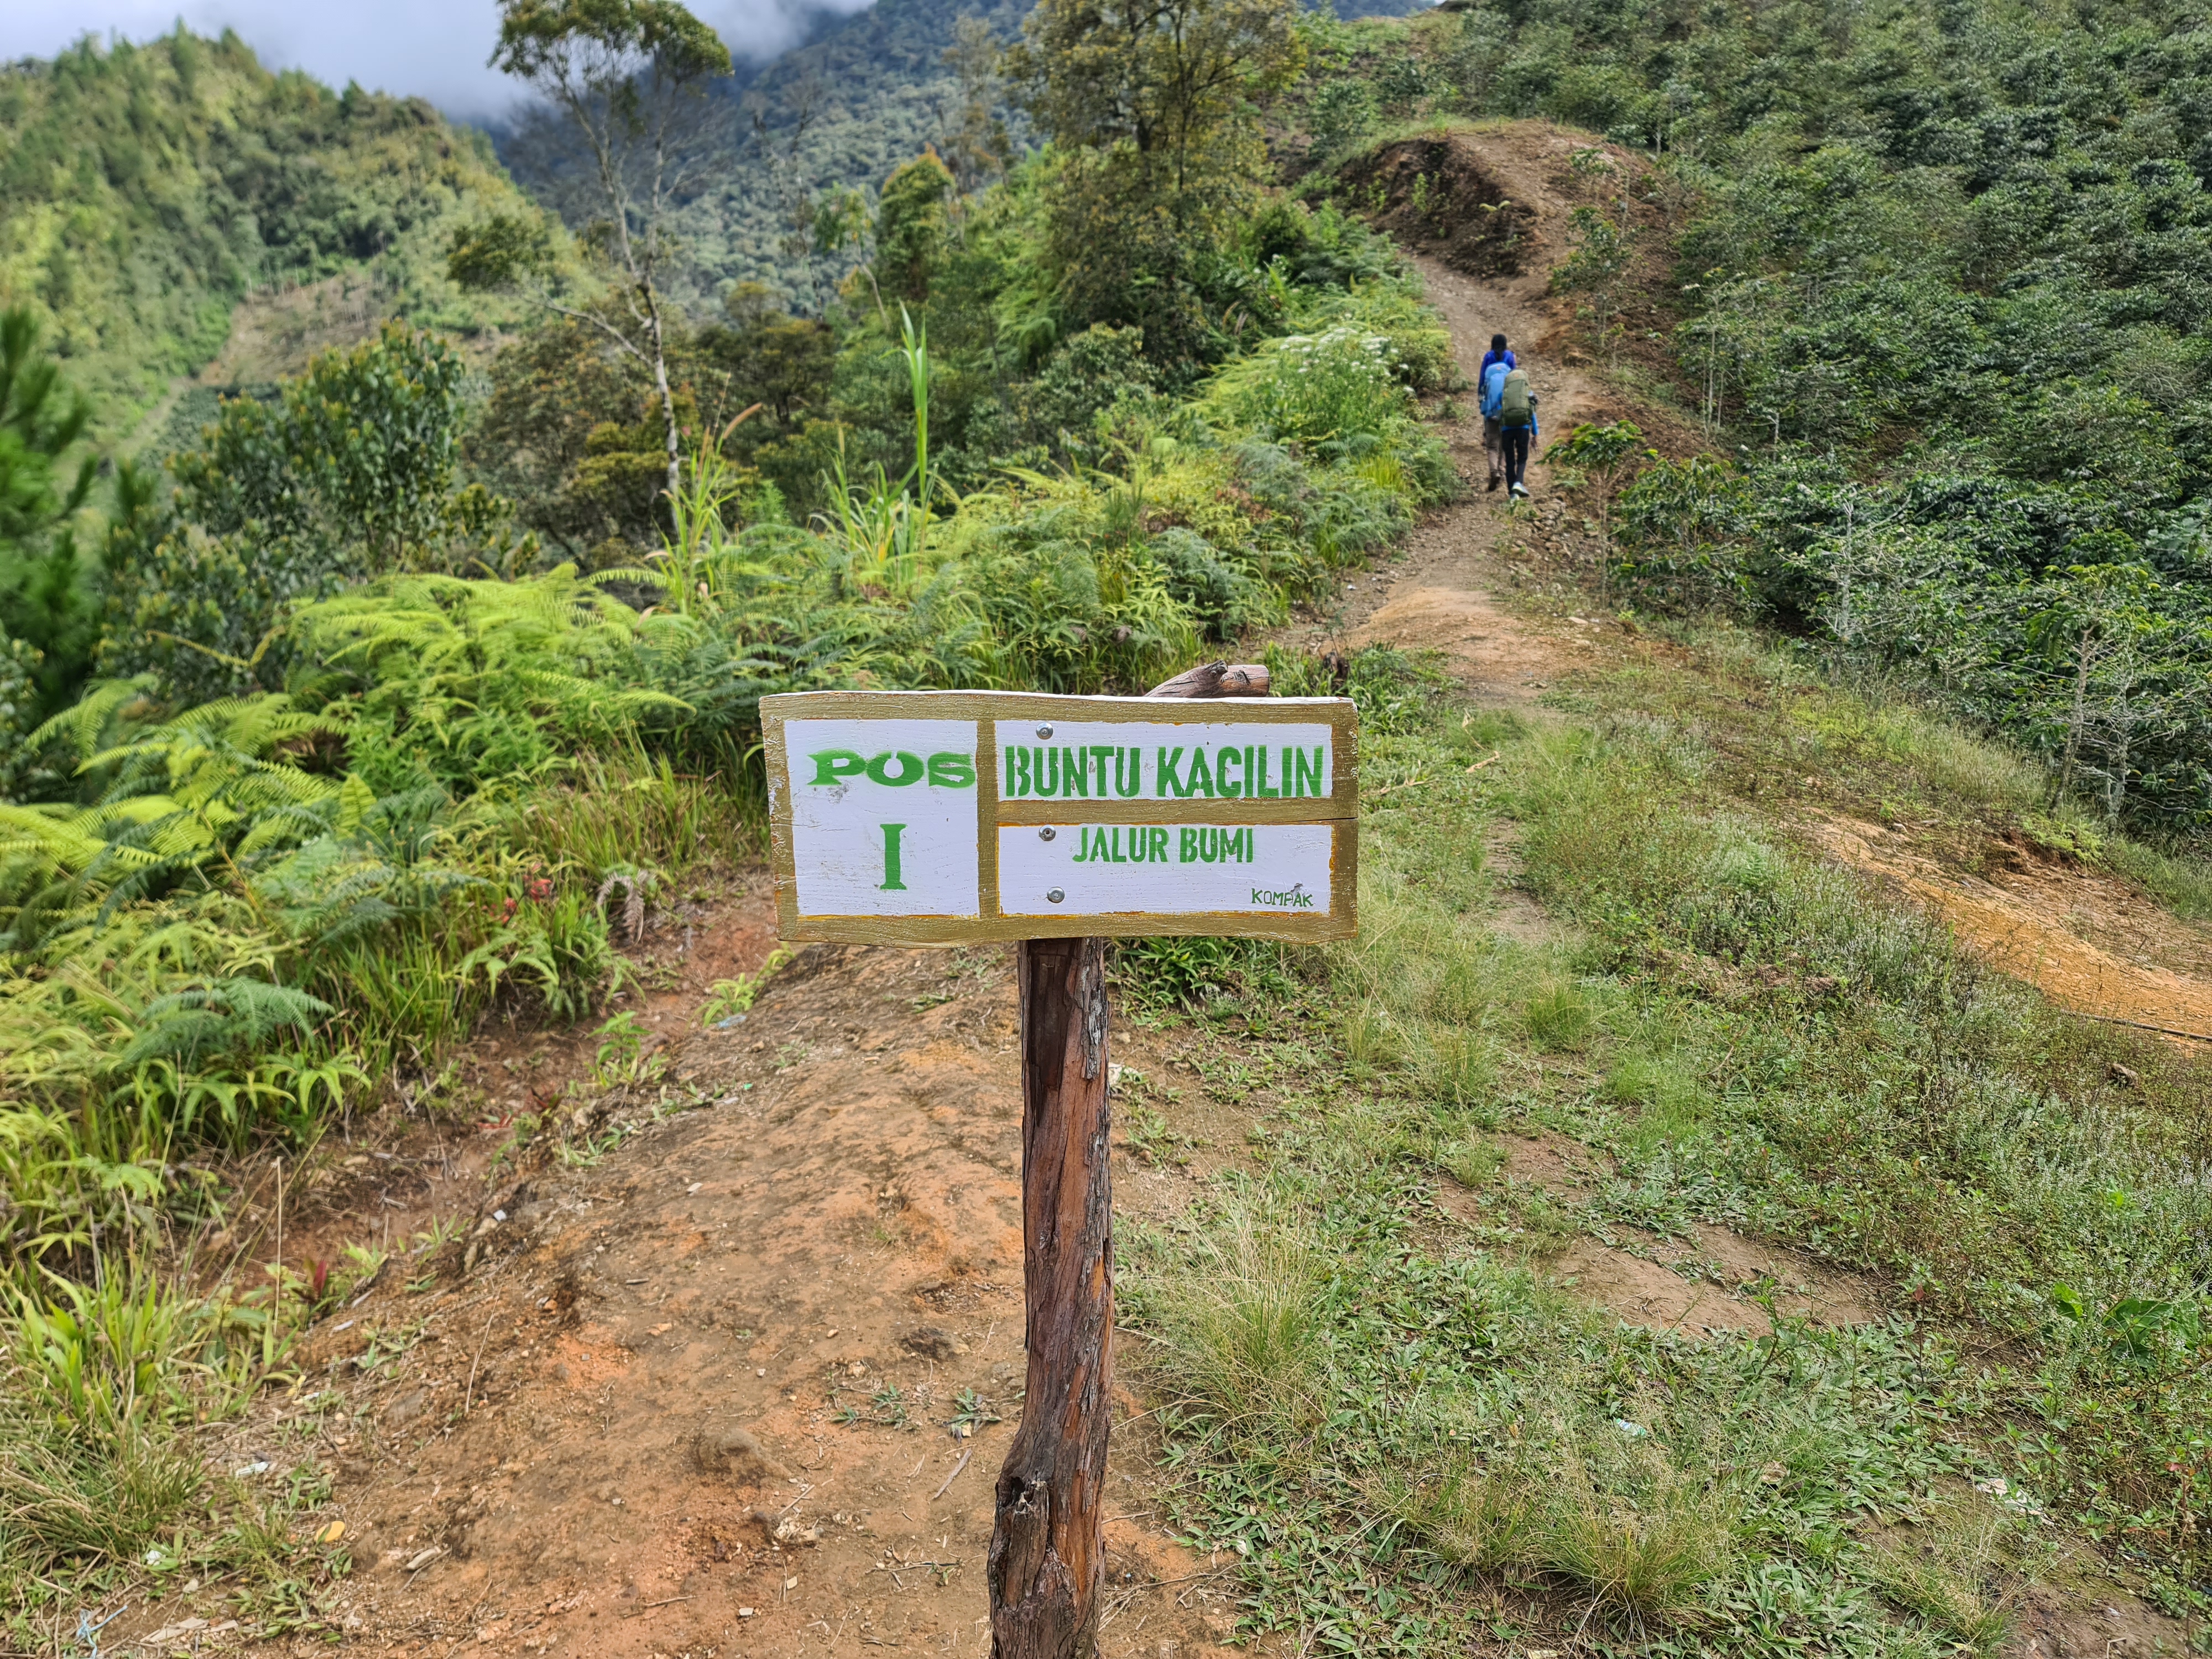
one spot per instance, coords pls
(1517, 428)
(1496, 363)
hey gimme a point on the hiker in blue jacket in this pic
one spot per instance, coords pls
(1496, 363)
(1517, 427)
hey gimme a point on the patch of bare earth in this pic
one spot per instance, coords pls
(1714, 1281)
(2055, 1623)
(379, 1182)
(2087, 941)
(744, 1386)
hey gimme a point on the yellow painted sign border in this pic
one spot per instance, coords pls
(1340, 810)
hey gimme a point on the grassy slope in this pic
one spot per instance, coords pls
(145, 190)
(1387, 1403)
(1418, 1439)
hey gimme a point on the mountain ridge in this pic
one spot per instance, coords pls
(146, 190)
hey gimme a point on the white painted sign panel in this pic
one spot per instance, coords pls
(1201, 760)
(1165, 869)
(886, 811)
(925, 817)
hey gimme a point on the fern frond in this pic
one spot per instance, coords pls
(85, 722)
(223, 1015)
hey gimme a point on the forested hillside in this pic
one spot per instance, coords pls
(144, 188)
(832, 116)
(1937, 295)
(836, 115)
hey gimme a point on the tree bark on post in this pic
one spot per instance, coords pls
(1047, 1552)
(1048, 1544)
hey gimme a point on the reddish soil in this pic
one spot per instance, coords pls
(1715, 1281)
(707, 1396)
(2028, 917)
(380, 1184)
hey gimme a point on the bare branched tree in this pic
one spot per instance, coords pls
(628, 76)
(781, 144)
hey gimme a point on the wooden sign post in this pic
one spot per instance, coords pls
(904, 818)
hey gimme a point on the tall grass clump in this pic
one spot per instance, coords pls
(1865, 1084)
(1238, 1345)
(96, 1381)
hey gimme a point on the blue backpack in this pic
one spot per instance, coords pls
(1493, 388)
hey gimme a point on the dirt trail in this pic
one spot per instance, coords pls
(2088, 941)
(1442, 596)
(745, 1385)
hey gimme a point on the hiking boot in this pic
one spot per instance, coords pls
(1493, 482)
(1520, 490)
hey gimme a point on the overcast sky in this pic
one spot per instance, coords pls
(433, 47)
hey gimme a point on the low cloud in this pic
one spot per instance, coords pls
(410, 47)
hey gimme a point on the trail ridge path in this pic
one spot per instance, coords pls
(1445, 593)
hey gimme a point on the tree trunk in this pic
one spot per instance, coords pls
(667, 397)
(1216, 679)
(2077, 716)
(1048, 1554)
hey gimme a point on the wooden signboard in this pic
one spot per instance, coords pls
(932, 817)
(921, 817)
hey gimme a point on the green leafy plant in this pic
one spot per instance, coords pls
(621, 1058)
(1602, 454)
(737, 996)
(971, 1411)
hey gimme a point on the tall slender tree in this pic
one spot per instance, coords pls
(629, 77)
(43, 607)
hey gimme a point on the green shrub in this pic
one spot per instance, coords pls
(1339, 384)
(1343, 113)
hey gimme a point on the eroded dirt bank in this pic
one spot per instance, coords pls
(746, 1383)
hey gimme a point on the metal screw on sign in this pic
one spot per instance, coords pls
(903, 817)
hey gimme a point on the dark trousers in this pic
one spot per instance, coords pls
(1515, 440)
